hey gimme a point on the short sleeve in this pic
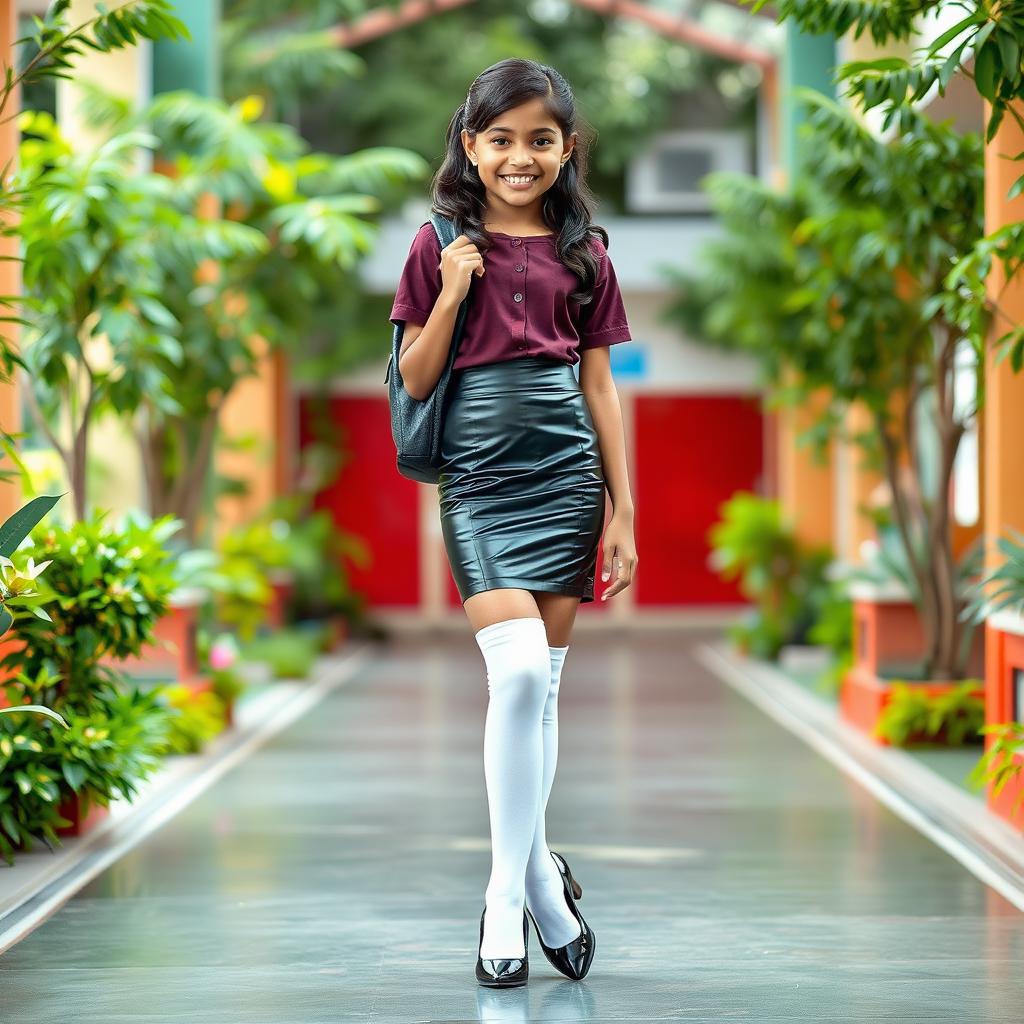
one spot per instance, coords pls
(420, 281)
(603, 319)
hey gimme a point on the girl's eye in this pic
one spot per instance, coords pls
(501, 138)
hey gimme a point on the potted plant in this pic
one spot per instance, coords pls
(783, 578)
(220, 658)
(841, 286)
(176, 653)
(998, 601)
(198, 716)
(319, 597)
(251, 579)
(888, 642)
(104, 591)
(916, 714)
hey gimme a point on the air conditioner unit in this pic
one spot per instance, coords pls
(666, 178)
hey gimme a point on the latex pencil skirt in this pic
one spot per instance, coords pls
(521, 487)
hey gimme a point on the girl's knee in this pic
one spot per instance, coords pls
(518, 661)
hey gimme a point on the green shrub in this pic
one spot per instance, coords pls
(783, 578)
(833, 629)
(103, 754)
(913, 715)
(999, 764)
(105, 588)
(290, 653)
(243, 594)
(196, 718)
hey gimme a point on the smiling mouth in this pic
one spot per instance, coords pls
(528, 177)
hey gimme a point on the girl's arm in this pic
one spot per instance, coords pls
(598, 387)
(422, 290)
(420, 365)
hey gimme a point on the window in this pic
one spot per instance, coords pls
(667, 177)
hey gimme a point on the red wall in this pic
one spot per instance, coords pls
(372, 499)
(691, 453)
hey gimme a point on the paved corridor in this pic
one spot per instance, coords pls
(729, 873)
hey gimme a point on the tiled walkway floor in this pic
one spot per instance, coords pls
(730, 874)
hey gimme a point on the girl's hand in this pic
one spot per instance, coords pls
(459, 262)
(618, 543)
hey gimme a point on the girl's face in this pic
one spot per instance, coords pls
(523, 141)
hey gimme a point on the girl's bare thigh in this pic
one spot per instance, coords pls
(557, 610)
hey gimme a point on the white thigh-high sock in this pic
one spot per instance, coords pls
(544, 893)
(518, 674)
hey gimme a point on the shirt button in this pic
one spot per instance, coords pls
(518, 296)
(519, 266)
(517, 241)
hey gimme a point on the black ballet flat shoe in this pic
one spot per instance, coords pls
(574, 958)
(503, 972)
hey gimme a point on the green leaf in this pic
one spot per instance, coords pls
(35, 709)
(18, 527)
(985, 72)
(75, 774)
(10, 824)
(950, 34)
(1009, 51)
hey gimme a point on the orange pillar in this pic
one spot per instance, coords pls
(257, 412)
(10, 270)
(1003, 434)
(805, 485)
(1002, 477)
(858, 487)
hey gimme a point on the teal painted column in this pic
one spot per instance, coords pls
(191, 63)
(808, 60)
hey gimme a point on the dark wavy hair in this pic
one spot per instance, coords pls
(458, 193)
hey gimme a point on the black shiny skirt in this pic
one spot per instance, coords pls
(521, 485)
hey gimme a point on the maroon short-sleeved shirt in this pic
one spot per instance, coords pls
(520, 307)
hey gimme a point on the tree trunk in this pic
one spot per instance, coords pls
(928, 608)
(188, 492)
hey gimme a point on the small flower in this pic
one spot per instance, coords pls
(17, 582)
(223, 653)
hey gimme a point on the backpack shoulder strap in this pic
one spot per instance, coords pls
(444, 227)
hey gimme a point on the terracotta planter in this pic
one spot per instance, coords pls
(888, 640)
(282, 584)
(1004, 700)
(336, 632)
(9, 642)
(174, 654)
(863, 697)
(887, 632)
(71, 808)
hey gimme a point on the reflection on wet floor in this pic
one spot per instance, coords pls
(729, 872)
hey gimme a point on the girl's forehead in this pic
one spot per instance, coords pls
(528, 124)
(531, 116)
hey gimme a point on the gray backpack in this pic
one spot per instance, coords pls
(416, 425)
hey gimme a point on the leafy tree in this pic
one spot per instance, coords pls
(311, 213)
(55, 44)
(842, 284)
(985, 45)
(101, 337)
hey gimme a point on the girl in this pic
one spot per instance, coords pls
(527, 451)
